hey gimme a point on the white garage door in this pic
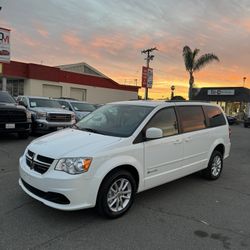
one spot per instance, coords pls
(52, 91)
(79, 94)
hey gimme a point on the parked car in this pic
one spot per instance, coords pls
(80, 108)
(47, 114)
(124, 148)
(13, 118)
(232, 120)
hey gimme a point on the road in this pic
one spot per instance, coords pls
(190, 213)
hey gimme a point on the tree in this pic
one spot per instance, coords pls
(194, 64)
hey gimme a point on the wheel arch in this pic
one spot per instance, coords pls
(131, 169)
(220, 148)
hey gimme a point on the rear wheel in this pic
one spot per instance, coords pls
(116, 194)
(215, 165)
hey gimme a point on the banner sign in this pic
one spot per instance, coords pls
(221, 92)
(4, 45)
(147, 77)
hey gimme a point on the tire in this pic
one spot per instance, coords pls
(119, 203)
(245, 125)
(215, 165)
(23, 135)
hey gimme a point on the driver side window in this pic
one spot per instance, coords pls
(165, 119)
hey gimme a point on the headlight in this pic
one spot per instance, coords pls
(74, 165)
(28, 115)
(41, 115)
(73, 117)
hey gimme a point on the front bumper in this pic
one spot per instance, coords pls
(18, 127)
(44, 125)
(79, 190)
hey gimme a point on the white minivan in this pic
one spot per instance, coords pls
(121, 149)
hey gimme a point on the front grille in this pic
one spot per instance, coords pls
(38, 163)
(49, 196)
(59, 117)
(12, 116)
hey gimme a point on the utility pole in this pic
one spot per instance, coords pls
(148, 59)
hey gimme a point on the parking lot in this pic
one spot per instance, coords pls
(190, 213)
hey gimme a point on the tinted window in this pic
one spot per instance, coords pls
(192, 118)
(165, 119)
(214, 116)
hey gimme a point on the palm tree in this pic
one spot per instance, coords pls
(194, 64)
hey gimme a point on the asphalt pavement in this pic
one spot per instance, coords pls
(190, 213)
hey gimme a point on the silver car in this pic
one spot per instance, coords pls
(80, 108)
(47, 114)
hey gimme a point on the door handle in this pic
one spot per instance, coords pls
(178, 141)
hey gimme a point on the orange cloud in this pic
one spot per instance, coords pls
(72, 40)
(44, 33)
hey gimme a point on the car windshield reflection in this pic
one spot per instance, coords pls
(115, 120)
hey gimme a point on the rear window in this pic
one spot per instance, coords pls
(192, 118)
(215, 116)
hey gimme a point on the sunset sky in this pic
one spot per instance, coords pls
(110, 34)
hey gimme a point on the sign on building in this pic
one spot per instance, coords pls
(4, 45)
(221, 92)
(147, 77)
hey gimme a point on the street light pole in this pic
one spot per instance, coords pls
(244, 80)
(172, 91)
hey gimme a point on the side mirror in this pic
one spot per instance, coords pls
(154, 133)
(22, 104)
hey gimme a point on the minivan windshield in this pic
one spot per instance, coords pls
(119, 120)
(44, 103)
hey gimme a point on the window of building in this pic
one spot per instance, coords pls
(192, 118)
(166, 120)
(15, 87)
(214, 115)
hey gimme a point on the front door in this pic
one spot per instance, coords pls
(163, 156)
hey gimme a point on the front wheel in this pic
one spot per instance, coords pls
(215, 165)
(116, 194)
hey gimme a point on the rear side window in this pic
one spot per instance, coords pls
(215, 116)
(192, 118)
(165, 119)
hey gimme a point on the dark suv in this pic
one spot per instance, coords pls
(13, 118)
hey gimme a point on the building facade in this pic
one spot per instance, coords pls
(232, 99)
(63, 81)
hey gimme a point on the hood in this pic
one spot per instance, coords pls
(71, 143)
(4, 105)
(51, 110)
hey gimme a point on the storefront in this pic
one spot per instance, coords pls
(78, 81)
(233, 100)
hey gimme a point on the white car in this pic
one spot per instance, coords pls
(121, 149)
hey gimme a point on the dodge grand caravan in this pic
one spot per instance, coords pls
(121, 149)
